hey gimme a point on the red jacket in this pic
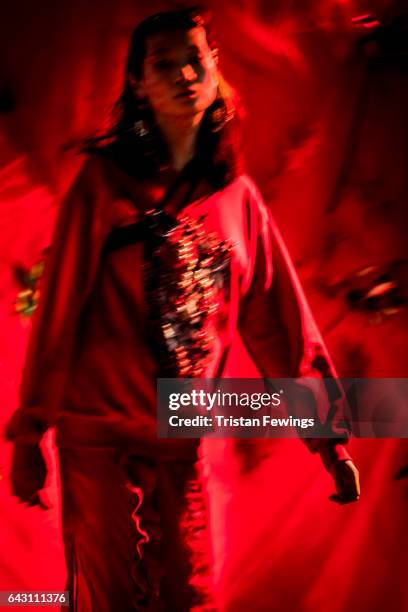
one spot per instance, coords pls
(90, 370)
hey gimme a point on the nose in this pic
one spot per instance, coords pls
(186, 74)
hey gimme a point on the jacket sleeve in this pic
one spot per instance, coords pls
(281, 336)
(69, 270)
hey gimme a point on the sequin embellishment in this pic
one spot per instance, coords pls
(187, 283)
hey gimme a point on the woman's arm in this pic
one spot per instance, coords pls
(281, 336)
(69, 272)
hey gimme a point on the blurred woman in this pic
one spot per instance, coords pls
(162, 252)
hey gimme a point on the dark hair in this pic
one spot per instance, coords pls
(143, 153)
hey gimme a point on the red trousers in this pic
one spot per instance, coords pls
(135, 532)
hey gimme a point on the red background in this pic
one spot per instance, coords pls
(326, 138)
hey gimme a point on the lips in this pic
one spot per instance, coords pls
(187, 94)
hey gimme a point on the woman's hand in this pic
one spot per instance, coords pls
(346, 479)
(28, 473)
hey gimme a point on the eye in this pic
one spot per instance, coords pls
(163, 65)
(196, 59)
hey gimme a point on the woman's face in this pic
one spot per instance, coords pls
(180, 75)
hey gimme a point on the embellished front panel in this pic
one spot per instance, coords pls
(187, 274)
